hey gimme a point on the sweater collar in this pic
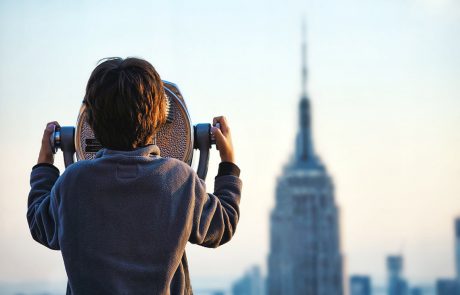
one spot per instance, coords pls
(144, 151)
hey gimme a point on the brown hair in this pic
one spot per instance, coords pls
(126, 103)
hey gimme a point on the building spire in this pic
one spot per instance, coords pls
(304, 144)
(304, 60)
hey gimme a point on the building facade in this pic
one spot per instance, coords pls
(397, 285)
(457, 248)
(250, 284)
(447, 287)
(452, 286)
(305, 255)
(416, 291)
(360, 285)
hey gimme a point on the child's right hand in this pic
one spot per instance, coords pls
(223, 139)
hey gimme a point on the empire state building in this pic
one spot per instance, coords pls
(305, 253)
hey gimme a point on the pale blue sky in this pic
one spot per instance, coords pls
(384, 83)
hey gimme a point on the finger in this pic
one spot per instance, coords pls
(216, 120)
(219, 119)
(50, 128)
(54, 123)
(217, 134)
(223, 124)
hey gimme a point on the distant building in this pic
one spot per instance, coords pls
(250, 284)
(208, 292)
(397, 285)
(305, 255)
(447, 287)
(452, 286)
(416, 291)
(457, 248)
(360, 285)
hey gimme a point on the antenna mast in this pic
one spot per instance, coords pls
(304, 60)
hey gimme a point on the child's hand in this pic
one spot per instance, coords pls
(223, 139)
(46, 152)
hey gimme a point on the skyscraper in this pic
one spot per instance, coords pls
(452, 286)
(360, 285)
(305, 253)
(416, 291)
(250, 284)
(447, 287)
(457, 248)
(397, 285)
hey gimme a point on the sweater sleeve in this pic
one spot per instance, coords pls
(216, 215)
(42, 211)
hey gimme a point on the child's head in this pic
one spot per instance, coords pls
(125, 103)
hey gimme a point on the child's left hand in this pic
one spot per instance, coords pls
(46, 152)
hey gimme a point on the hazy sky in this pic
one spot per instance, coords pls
(384, 80)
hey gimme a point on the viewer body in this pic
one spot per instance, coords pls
(122, 220)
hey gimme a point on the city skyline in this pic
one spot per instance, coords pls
(385, 87)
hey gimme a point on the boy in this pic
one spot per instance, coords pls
(122, 220)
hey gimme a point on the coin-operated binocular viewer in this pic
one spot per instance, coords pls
(177, 138)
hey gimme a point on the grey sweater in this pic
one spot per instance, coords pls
(122, 220)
